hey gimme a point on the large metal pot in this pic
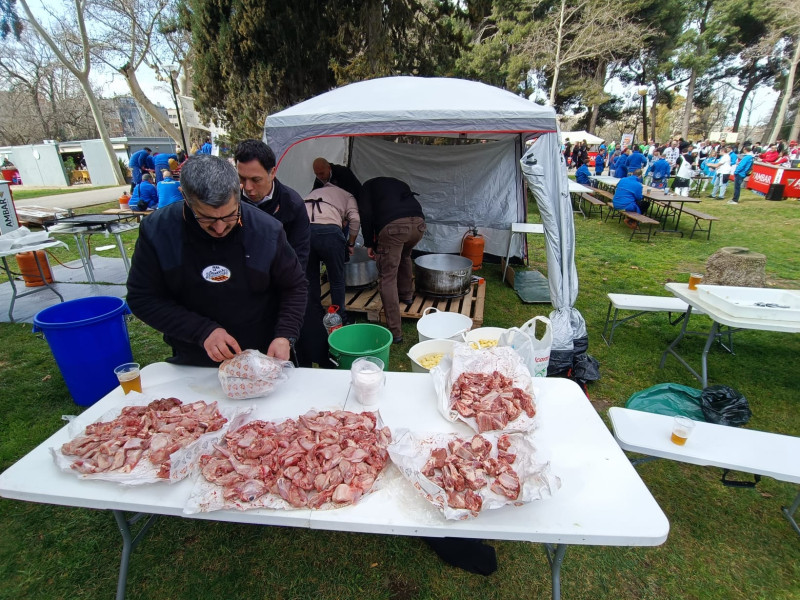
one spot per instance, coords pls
(360, 270)
(443, 275)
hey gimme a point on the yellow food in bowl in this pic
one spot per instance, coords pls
(430, 360)
(481, 344)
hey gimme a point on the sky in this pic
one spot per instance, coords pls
(112, 84)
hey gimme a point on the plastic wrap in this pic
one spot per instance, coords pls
(251, 374)
(410, 451)
(468, 360)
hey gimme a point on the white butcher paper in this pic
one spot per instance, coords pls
(182, 461)
(207, 496)
(411, 450)
(487, 360)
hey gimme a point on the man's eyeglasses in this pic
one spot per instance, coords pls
(203, 220)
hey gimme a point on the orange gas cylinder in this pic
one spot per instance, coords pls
(472, 248)
(123, 200)
(29, 270)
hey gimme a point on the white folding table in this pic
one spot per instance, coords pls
(734, 448)
(602, 500)
(718, 317)
(11, 277)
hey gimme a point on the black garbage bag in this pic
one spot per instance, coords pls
(724, 405)
(585, 368)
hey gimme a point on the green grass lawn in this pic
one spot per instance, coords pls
(724, 543)
(21, 194)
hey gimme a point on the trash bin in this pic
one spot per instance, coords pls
(88, 338)
(361, 339)
(775, 191)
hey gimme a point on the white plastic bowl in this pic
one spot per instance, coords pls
(439, 325)
(421, 349)
(484, 333)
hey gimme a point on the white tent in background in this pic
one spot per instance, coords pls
(375, 127)
(580, 136)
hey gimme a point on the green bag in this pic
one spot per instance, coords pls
(669, 399)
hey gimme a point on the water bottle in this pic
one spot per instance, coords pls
(332, 321)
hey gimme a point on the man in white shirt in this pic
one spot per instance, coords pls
(671, 154)
(722, 171)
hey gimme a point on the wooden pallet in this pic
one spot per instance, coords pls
(368, 301)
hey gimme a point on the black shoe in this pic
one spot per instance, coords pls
(397, 339)
(408, 302)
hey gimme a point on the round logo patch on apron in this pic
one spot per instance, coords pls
(216, 274)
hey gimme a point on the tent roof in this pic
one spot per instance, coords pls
(580, 136)
(407, 105)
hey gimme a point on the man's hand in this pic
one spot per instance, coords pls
(371, 253)
(220, 345)
(351, 249)
(279, 348)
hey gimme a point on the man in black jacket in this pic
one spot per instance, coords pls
(338, 175)
(255, 163)
(392, 223)
(216, 275)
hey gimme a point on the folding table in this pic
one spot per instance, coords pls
(81, 227)
(734, 448)
(602, 500)
(11, 277)
(719, 317)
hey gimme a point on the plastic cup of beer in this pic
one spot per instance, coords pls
(694, 280)
(681, 430)
(129, 377)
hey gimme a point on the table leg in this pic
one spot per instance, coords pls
(83, 251)
(121, 247)
(15, 294)
(555, 556)
(129, 543)
(789, 513)
(712, 335)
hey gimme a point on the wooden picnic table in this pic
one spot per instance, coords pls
(673, 206)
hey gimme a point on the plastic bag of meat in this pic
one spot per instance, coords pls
(489, 389)
(146, 441)
(463, 475)
(321, 460)
(251, 374)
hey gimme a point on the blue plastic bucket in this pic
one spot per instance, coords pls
(88, 338)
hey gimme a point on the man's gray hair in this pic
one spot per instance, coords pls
(209, 180)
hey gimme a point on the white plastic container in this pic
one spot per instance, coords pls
(439, 325)
(484, 333)
(753, 303)
(367, 378)
(417, 351)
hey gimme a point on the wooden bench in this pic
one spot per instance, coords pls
(595, 205)
(700, 216)
(642, 305)
(729, 448)
(640, 220)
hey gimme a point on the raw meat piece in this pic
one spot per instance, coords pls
(321, 458)
(491, 399)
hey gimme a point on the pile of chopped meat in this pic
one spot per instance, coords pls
(323, 457)
(491, 399)
(154, 431)
(465, 467)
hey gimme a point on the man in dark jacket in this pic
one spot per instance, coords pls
(256, 165)
(392, 223)
(214, 274)
(338, 175)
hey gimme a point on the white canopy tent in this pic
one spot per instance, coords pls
(581, 136)
(367, 125)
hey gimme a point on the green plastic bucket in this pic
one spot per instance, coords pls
(361, 339)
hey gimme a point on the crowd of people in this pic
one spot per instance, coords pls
(676, 164)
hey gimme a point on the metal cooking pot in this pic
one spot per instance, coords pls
(360, 270)
(443, 275)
